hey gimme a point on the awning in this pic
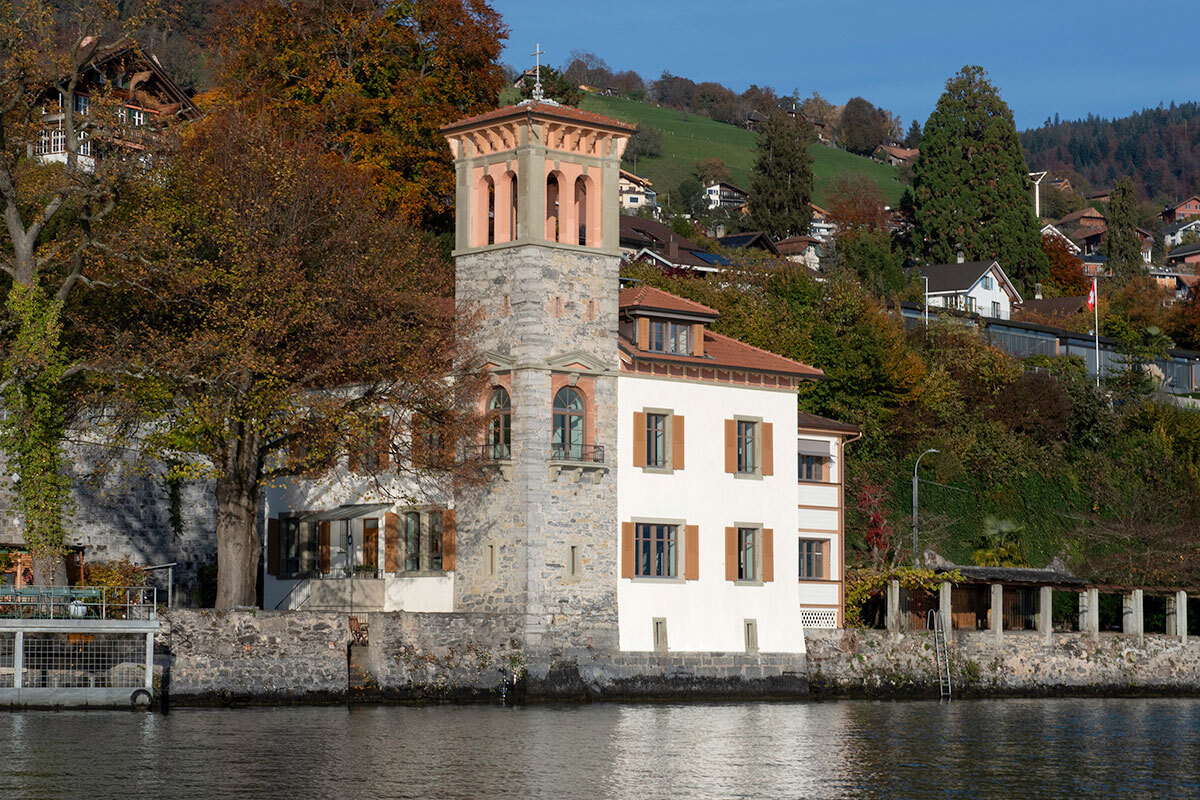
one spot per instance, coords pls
(351, 511)
(813, 447)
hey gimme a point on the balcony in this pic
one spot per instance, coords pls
(581, 463)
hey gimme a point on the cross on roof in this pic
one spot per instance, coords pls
(537, 54)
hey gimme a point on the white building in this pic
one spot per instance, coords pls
(725, 195)
(635, 193)
(980, 287)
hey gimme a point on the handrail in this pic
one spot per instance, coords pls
(79, 602)
(307, 584)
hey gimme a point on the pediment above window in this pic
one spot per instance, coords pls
(576, 361)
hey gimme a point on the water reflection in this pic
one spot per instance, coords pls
(966, 749)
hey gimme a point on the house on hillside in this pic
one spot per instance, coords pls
(1062, 184)
(1178, 284)
(1084, 218)
(895, 155)
(804, 250)
(1099, 196)
(1188, 254)
(127, 83)
(1049, 230)
(726, 196)
(980, 287)
(650, 241)
(753, 119)
(635, 193)
(821, 227)
(1184, 209)
(754, 240)
(1174, 233)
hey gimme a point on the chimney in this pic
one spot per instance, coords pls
(1037, 291)
(672, 249)
(961, 257)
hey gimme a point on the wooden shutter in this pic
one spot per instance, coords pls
(643, 341)
(324, 562)
(697, 339)
(627, 550)
(731, 445)
(383, 443)
(768, 448)
(676, 441)
(448, 518)
(272, 546)
(731, 554)
(639, 438)
(768, 554)
(391, 542)
(371, 544)
(691, 552)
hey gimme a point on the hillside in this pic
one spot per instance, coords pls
(688, 138)
(1159, 148)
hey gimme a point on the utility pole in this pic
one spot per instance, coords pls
(916, 552)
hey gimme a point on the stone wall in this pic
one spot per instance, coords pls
(872, 663)
(123, 507)
(245, 656)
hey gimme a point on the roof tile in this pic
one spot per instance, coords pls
(542, 110)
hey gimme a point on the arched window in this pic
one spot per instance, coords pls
(581, 208)
(499, 430)
(566, 441)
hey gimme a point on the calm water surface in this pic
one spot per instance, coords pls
(967, 749)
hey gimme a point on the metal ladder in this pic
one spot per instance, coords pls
(941, 653)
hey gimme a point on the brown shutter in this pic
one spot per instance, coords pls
(730, 445)
(448, 517)
(383, 444)
(627, 551)
(731, 554)
(768, 449)
(676, 442)
(371, 544)
(697, 339)
(272, 546)
(391, 542)
(768, 554)
(643, 341)
(639, 438)
(324, 564)
(691, 552)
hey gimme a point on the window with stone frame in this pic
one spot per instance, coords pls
(569, 425)
(656, 439)
(412, 541)
(747, 446)
(748, 550)
(656, 550)
(499, 427)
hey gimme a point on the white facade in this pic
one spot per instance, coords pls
(634, 193)
(710, 613)
(990, 295)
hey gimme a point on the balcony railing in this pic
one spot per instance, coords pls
(586, 453)
(497, 451)
(79, 602)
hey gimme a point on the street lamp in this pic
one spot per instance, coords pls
(926, 279)
(916, 556)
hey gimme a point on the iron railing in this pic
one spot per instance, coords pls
(79, 602)
(588, 453)
(492, 451)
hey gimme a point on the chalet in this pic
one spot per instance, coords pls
(726, 196)
(1187, 254)
(1062, 184)
(1182, 210)
(981, 287)
(1099, 196)
(895, 155)
(1178, 284)
(1174, 234)
(634, 192)
(650, 241)
(804, 250)
(1082, 219)
(821, 226)
(753, 119)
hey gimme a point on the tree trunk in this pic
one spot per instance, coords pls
(49, 570)
(238, 546)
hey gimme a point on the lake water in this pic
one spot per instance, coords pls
(966, 749)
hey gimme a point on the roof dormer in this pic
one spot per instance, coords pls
(659, 322)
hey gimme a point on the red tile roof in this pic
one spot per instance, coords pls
(813, 422)
(541, 110)
(722, 352)
(651, 298)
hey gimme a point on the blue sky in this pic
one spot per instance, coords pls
(1057, 56)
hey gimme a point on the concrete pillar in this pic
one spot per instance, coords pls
(1131, 615)
(944, 607)
(1089, 612)
(893, 608)
(1045, 616)
(18, 659)
(1171, 630)
(998, 610)
(1083, 611)
(1181, 618)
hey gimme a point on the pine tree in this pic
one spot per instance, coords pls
(913, 139)
(1121, 240)
(971, 189)
(782, 180)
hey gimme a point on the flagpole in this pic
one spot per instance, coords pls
(1096, 330)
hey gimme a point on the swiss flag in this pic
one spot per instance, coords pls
(1091, 301)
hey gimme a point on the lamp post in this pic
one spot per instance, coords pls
(926, 305)
(916, 552)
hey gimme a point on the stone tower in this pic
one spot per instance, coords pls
(537, 263)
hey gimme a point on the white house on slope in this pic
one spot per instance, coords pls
(980, 287)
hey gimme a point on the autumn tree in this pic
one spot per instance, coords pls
(376, 80)
(971, 189)
(864, 243)
(1067, 278)
(781, 181)
(279, 317)
(711, 170)
(1122, 246)
(863, 127)
(65, 167)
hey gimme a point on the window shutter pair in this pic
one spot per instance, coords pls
(639, 440)
(766, 447)
(272, 546)
(768, 554)
(391, 542)
(324, 561)
(691, 551)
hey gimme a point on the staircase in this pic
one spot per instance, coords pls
(941, 654)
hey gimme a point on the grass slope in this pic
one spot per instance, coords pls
(688, 138)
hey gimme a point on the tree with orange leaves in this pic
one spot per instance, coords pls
(1066, 269)
(377, 78)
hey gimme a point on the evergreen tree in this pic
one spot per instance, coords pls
(970, 185)
(781, 182)
(1121, 241)
(913, 139)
